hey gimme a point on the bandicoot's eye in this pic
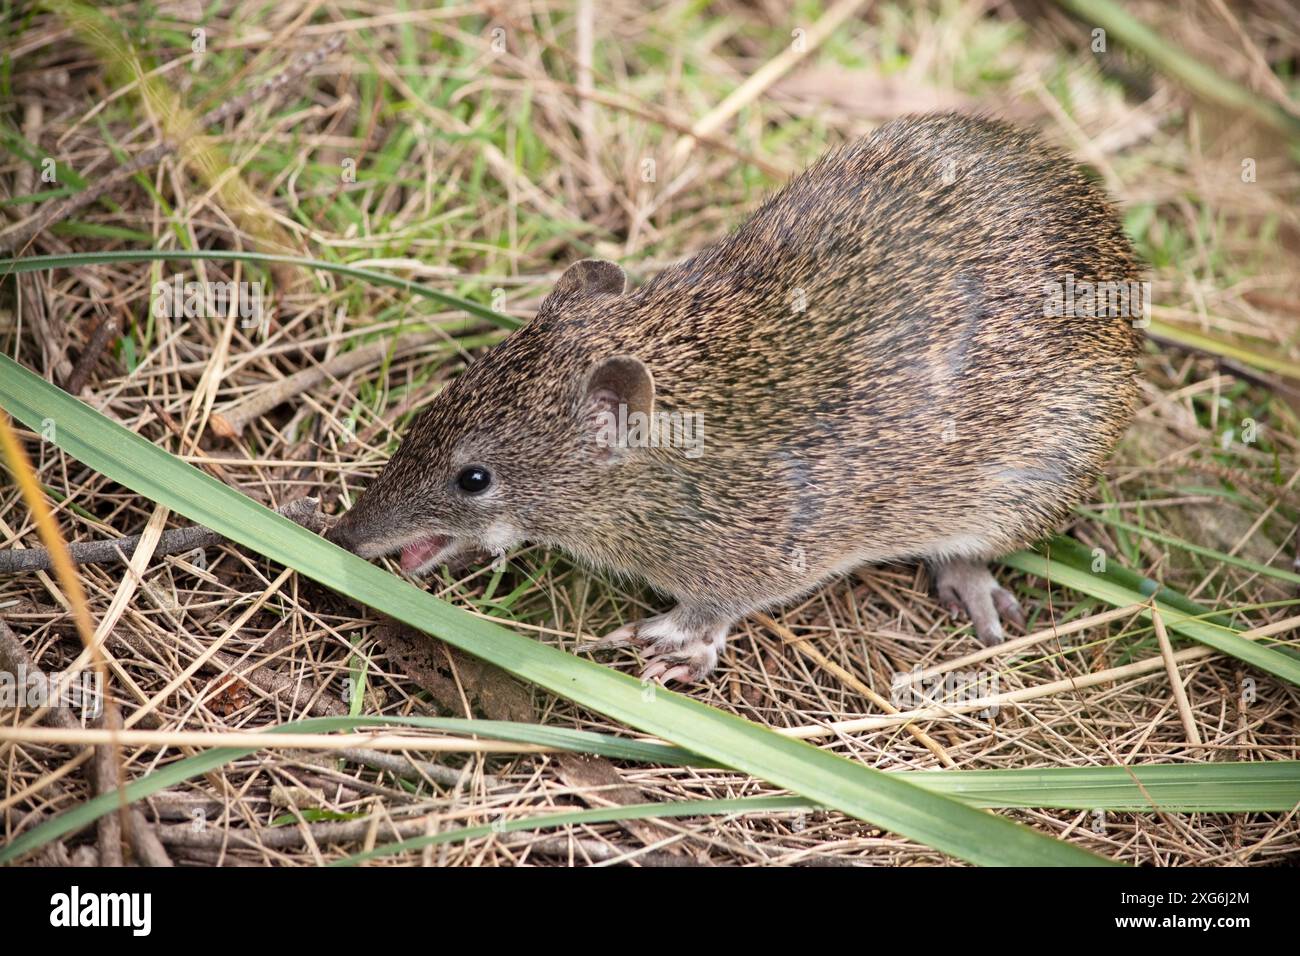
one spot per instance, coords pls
(474, 479)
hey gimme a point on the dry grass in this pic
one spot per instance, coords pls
(480, 171)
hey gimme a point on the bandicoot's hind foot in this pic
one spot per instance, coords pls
(677, 646)
(968, 585)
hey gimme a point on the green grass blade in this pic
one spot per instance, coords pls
(1198, 342)
(1182, 788)
(37, 263)
(885, 800)
(1280, 574)
(1071, 552)
(1109, 587)
(1265, 786)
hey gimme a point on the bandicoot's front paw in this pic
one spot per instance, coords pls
(688, 661)
(672, 650)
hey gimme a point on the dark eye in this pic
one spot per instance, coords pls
(473, 480)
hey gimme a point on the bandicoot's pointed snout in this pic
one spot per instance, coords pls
(419, 552)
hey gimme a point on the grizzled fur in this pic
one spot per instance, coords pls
(869, 354)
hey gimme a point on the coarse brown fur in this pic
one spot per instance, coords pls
(871, 361)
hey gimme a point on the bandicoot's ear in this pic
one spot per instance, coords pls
(622, 380)
(619, 391)
(587, 277)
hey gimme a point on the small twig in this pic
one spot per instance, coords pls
(283, 838)
(275, 85)
(86, 363)
(304, 511)
(104, 771)
(149, 850)
(594, 851)
(402, 766)
(15, 660)
(20, 233)
(1265, 489)
(408, 768)
(1175, 680)
(598, 783)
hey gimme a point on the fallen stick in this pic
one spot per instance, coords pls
(149, 850)
(15, 660)
(408, 768)
(104, 334)
(304, 511)
(283, 838)
(105, 771)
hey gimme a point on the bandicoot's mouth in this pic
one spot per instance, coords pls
(426, 553)
(418, 551)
